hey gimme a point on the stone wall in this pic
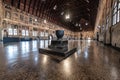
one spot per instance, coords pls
(10, 17)
(108, 33)
(14, 17)
(1, 13)
(116, 35)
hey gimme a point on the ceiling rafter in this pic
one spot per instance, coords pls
(45, 9)
(24, 5)
(12, 2)
(18, 4)
(29, 5)
(37, 7)
(34, 6)
(51, 8)
(39, 10)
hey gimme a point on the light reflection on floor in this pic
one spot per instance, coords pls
(91, 61)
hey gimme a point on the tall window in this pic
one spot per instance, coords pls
(15, 31)
(10, 31)
(116, 12)
(107, 22)
(42, 34)
(27, 33)
(34, 33)
(46, 34)
(23, 32)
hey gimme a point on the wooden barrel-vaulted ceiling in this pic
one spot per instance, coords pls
(82, 12)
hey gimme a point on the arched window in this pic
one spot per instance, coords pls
(15, 30)
(23, 32)
(116, 12)
(107, 22)
(10, 31)
(27, 33)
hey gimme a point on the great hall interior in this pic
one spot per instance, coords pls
(59, 39)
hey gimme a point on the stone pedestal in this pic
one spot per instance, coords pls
(58, 47)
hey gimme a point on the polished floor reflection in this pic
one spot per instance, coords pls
(92, 61)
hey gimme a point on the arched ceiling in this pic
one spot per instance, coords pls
(82, 12)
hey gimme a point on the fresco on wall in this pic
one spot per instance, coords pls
(21, 17)
(7, 15)
(30, 20)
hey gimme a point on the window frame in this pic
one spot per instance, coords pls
(116, 12)
(10, 31)
(23, 32)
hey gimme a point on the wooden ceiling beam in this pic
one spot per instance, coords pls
(18, 4)
(44, 8)
(12, 2)
(29, 5)
(37, 4)
(50, 8)
(33, 9)
(40, 10)
(24, 5)
(37, 7)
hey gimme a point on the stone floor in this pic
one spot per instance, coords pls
(92, 61)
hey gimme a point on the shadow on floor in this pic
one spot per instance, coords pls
(57, 58)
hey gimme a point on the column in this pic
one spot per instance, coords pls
(1, 17)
